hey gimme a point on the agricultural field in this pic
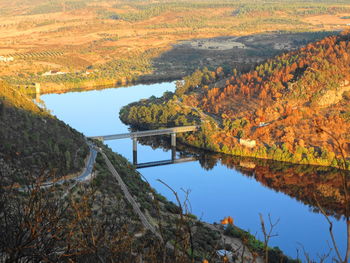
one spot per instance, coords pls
(104, 42)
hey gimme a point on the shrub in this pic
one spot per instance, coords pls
(346, 95)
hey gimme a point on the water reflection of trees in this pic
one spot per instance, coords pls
(305, 183)
(325, 189)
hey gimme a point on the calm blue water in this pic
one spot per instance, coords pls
(214, 194)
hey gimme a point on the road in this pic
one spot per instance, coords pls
(85, 174)
(89, 165)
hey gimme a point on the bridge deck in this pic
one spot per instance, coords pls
(146, 133)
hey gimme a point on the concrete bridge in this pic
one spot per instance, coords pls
(139, 134)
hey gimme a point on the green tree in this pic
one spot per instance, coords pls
(68, 159)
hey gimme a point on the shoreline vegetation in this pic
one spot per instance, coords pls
(51, 87)
(293, 108)
(277, 154)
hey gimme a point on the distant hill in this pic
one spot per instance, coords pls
(273, 111)
(35, 142)
(70, 44)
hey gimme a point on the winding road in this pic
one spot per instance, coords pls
(89, 164)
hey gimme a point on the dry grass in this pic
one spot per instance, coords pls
(328, 21)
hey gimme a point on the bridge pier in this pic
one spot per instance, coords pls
(173, 146)
(173, 140)
(173, 153)
(134, 150)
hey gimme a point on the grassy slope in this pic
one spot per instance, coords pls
(34, 141)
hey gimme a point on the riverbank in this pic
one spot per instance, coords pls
(64, 87)
(211, 130)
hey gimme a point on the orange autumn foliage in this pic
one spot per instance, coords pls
(227, 221)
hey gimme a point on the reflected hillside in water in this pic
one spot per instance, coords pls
(306, 183)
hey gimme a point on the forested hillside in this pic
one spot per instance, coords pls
(294, 107)
(34, 142)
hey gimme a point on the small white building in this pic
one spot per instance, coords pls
(247, 143)
(90, 71)
(53, 73)
(6, 59)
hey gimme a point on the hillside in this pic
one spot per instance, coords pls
(95, 43)
(276, 111)
(33, 142)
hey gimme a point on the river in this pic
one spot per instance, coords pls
(214, 193)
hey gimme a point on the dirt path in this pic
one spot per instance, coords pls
(129, 197)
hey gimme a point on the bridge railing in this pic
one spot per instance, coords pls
(140, 134)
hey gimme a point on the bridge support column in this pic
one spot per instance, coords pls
(173, 146)
(173, 140)
(134, 150)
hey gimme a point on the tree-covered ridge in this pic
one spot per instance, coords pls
(33, 141)
(273, 111)
(303, 75)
